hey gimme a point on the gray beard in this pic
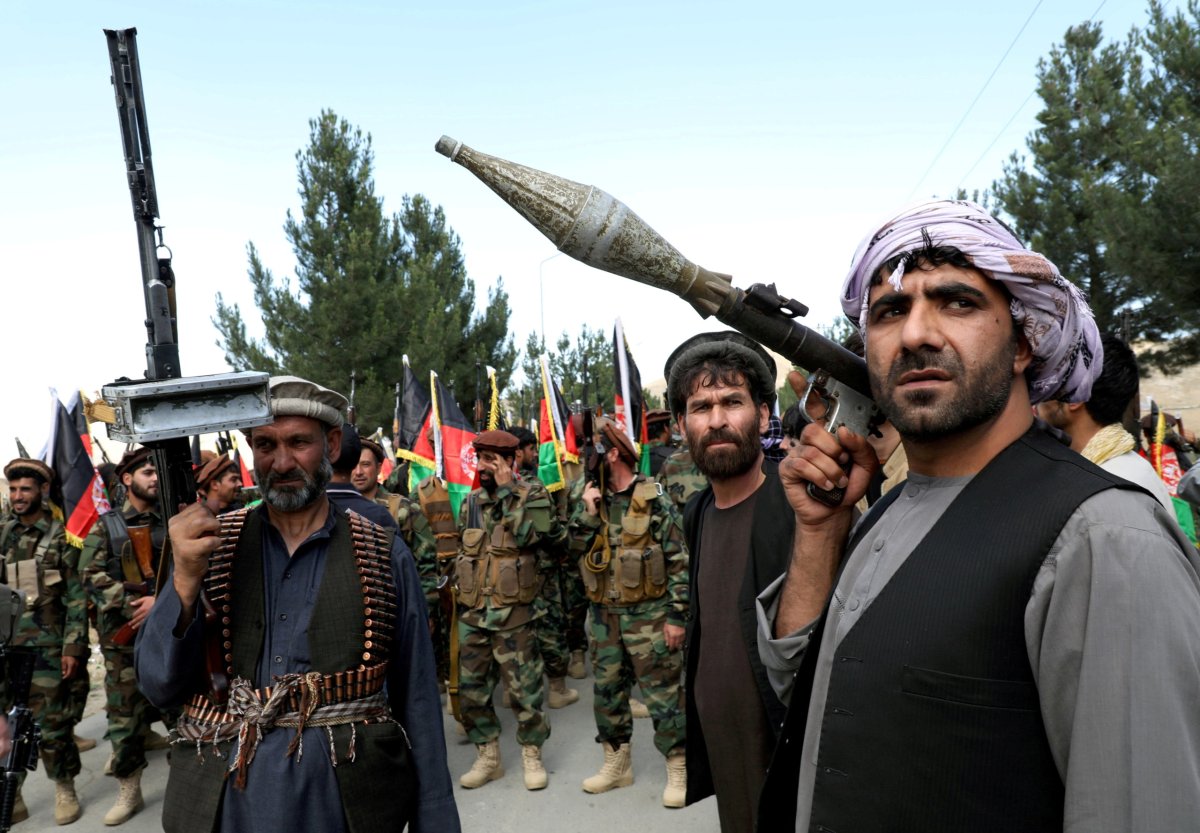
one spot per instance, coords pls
(295, 498)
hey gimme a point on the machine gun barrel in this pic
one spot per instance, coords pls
(595, 228)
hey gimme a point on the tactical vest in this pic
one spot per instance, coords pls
(491, 569)
(638, 572)
(26, 568)
(435, 503)
(349, 639)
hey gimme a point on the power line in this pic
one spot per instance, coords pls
(975, 101)
(1011, 119)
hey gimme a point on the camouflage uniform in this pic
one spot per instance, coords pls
(54, 624)
(416, 532)
(129, 713)
(681, 479)
(628, 644)
(495, 640)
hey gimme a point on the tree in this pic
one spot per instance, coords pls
(1107, 192)
(369, 288)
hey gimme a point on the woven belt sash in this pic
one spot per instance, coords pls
(296, 701)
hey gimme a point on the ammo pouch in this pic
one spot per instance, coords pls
(637, 571)
(493, 568)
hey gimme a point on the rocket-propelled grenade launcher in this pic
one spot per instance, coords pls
(596, 228)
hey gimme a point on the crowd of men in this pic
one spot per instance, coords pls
(984, 616)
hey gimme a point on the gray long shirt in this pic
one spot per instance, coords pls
(285, 793)
(1112, 629)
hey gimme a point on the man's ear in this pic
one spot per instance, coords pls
(1024, 354)
(333, 440)
(764, 418)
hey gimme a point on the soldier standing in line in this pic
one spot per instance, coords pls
(680, 478)
(575, 603)
(511, 538)
(116, 585)
(366, 474)
(552, 628)
(635, 572)
(219, 483)
(39, 560)
(658, 428)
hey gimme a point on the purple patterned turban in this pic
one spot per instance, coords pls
(1052, 312)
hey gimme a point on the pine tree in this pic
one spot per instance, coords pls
(368, 288)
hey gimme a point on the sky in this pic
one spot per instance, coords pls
(762, 139)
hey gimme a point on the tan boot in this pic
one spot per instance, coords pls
(560, 695)
(108, 765)
(129, 800)
(20, 811)
(675, 794)
(535, 773)
(575, 668)
(84, 744)
(154, 741)
(487, 766)
(638, 709)
(66, 803)
(616, 772)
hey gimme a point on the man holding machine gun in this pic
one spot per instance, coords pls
(38, 560)
(118, 565)
(319, 696)
(1010, 640)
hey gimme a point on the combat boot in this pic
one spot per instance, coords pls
(129, 799)
(154, 741)
(20, 811)
(616, 772)
(487, 766)
(675, 793)
(84, 744)
(560, 695)
(638, 709)
(66, 803)
(535, 773)
(575, 668)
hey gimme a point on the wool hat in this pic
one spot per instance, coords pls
(293, 396)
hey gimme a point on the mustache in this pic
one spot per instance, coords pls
(922, 360)
(274, 477)
(720, 435)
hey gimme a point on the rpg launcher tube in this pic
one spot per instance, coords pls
(596, 228)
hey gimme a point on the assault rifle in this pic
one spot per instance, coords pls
(166, 409)
(17, 665)
(597, 229)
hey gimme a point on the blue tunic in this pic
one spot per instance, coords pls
(282, 793)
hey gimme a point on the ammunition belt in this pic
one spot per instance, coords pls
(331, 689)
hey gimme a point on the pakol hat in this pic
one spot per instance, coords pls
(213, 469)
(704, 346)
(43, 471)
(133, 460)
(374, 447)
(501, 442)
(611, 435)
(293, 396)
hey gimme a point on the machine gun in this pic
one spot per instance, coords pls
(17, 666)
(166, 409)
(595, 228)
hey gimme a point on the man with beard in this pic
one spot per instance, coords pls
(626, 536)
(119, 592)
(1011, 639)
(511, 539)
(331, 719)
(38, 560)
(721, 387)
(341, 490)
(219, 483)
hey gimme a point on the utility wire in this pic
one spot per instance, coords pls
(975, 101)
(1011, 119)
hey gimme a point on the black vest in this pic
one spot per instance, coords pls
(378, 787)
(932, 719)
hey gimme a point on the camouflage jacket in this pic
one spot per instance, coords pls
(666, 528)
(534, 524)
(416, 532)
(38, 560)
(103, 580)
(680, 478)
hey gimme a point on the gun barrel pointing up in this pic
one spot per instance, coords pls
(596, 228)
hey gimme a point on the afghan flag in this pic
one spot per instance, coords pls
(247, 473)
(552, 419)
(629, 409)
(456, 462)
(84, 498)
(413, 425)
(79, 420)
